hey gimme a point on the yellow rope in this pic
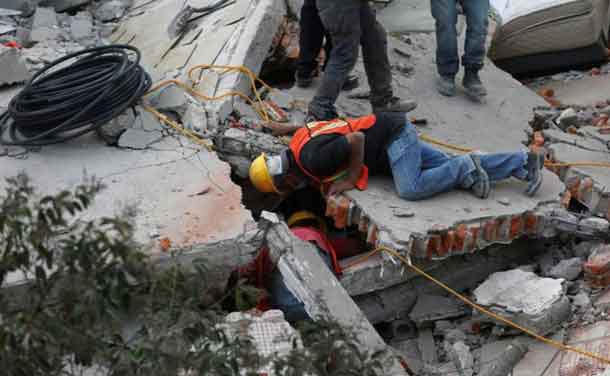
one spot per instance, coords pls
(167, 121)
(467, 301)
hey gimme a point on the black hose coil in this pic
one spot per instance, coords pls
(74, 95)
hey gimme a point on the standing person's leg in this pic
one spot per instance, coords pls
(311, 36)
(447, 60)
(474, 50)
(374, 43)
(413, 181)
(341, 18)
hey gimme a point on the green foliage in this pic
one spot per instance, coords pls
(92, 299)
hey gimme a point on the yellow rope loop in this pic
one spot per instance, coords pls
(495, 316)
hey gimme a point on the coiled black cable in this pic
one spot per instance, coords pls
(74, 95)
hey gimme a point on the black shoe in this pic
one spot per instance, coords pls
(482, 186)
(395, 104)
(473, 86)
(446, 85)
(535, 163)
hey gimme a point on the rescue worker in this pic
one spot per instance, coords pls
(339, 155)
(312, 36)
(445, 14)
(352, 23)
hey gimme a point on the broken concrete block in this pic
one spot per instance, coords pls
(138, 139)
(567, 118)
(112, 131)
(603, 301)
(110, 10)
(499, 358)
(81, 28)
(244, 110)
(195, 118)
(272, 336)
(600, 224)
(460, 355)
(584, 249)
(13, 66)
(455, 335)
(597, 267)
(581, 300)
(568, 269)
(27, 7)
(441, 327)
(427, 347)
(44, 25)
(525, 298)
(430, 308)
(172, 98)
(147, 121)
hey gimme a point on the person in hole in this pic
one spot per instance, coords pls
(340, 154)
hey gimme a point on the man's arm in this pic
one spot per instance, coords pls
(356, 159)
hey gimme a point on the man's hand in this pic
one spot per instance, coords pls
(340, 186)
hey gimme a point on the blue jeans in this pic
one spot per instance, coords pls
(421, 171)
(445, 14)
(282, 298)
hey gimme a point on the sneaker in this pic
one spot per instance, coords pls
(446, 85)
(395, 104)
(482, 186)
(535, 163)
(473, 86)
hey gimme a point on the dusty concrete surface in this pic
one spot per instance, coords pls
(174, 185)
(586, 91)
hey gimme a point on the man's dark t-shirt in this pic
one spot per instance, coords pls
(326, 154)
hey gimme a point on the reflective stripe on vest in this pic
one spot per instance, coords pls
(338, 126)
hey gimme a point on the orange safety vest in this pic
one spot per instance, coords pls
(338, 126)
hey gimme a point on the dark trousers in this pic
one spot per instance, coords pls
(445, 14)
(311, 38)
(351, 24)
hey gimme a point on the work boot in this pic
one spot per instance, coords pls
(473, 86)
(482, 185)
(396, 104)
(446, 85)
(535, 163)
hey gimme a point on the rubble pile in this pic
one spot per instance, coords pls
(551, 297)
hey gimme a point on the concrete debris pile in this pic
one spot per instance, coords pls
(551, 297)
(40, 32)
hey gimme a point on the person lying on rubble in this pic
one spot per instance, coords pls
(339, 155)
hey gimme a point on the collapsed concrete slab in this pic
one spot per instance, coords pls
(454, 223)
(539, 304)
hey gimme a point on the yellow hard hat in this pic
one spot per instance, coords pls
(260, 177)
(304, 215)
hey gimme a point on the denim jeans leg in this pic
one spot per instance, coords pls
(311, 36)
(414, 182)
(282, 298)
(476, 33)
(374, 43)
(341, 19)
(501, 166)
(445, 15)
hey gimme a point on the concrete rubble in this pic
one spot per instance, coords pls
(537, 303)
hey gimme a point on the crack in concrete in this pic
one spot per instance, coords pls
(158, 164)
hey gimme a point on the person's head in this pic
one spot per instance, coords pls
(272, 174)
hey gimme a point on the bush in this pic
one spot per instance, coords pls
(93, 300)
